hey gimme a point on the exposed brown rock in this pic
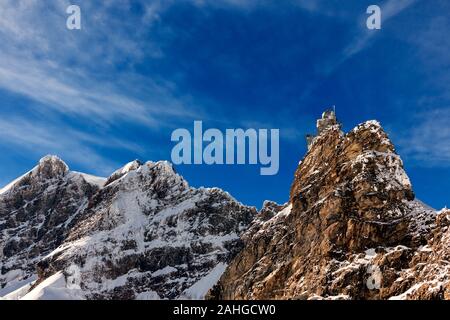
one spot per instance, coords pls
(351, 229)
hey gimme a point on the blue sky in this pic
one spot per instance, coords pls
(115, 90)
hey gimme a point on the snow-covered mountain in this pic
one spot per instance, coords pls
(352, 229)
(37, 211)
(142, 233)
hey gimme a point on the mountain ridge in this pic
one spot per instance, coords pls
(144, 233)
(145, 222)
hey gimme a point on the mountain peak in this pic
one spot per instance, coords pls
(50, 158)
(351, 205)
(49, 167)
(163, 169)
(130, 166)
(53, 162)
(119, 173)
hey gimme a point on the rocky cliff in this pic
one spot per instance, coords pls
(351, 230)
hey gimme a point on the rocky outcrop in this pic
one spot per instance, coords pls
(351, 230)
(427, 272)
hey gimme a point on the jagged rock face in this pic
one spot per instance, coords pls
(353, 189)
(427, 272)
(36, 213)
(350, 228)
(147, 234)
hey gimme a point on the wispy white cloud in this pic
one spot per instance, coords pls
(426, 139)
(427, 142)
(65, 72)
(389, 10)
(69, 73)
(38, 139)
(432, 44)
(364, 37)
(44, 61)
(67, 92)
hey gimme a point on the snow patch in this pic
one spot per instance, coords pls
(148, 295)
(14, 287)
(93, 180)
(199, 289)
(164, 271)
(54, 288)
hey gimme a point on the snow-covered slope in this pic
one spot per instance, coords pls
(36, 212)
(141, 234)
